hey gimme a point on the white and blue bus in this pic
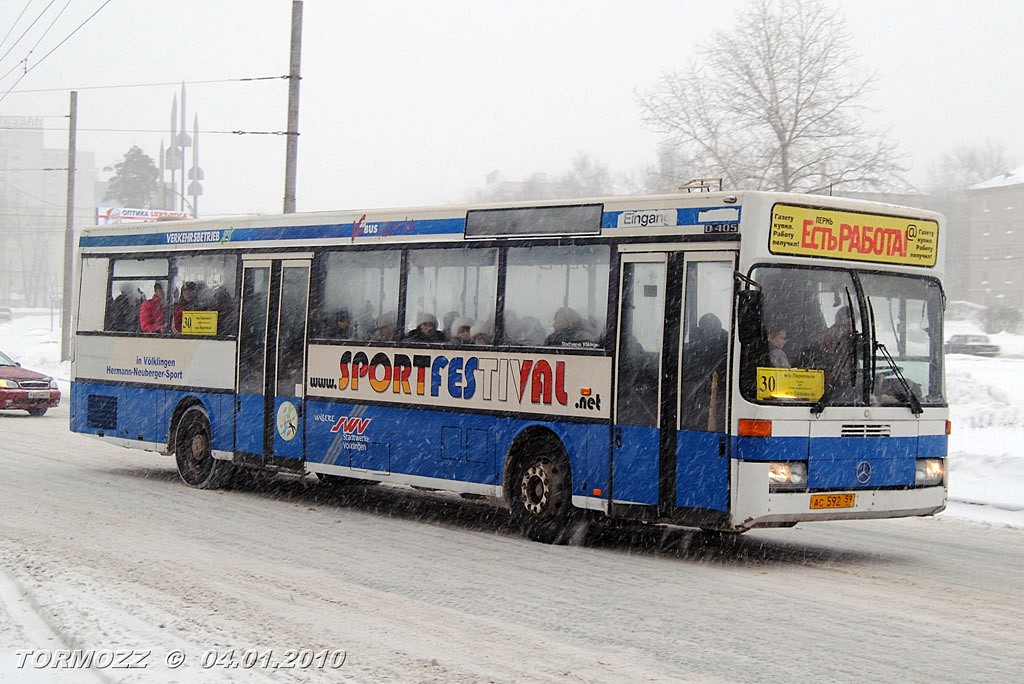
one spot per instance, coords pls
(725, 361)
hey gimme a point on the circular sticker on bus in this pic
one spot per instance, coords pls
(287, 421)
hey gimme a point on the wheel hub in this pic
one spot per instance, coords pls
(197, 448)
(536, 488)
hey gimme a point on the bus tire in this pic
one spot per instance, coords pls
(541, 497)
(196, 464)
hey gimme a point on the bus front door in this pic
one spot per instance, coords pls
(272, 362)
(671, 389)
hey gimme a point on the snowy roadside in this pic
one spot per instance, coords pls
(986, 398)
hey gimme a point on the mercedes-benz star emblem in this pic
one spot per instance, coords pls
(863, 472)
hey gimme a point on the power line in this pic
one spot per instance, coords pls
(11, 30)
(151, 85)
(24, 33)
(54, 49)
(144, 130)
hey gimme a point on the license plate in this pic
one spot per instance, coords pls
(39, 394)
(821, 501)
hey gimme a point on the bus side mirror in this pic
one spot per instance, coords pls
(750, 315)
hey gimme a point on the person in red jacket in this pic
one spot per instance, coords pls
(152, 314)
(186, 302)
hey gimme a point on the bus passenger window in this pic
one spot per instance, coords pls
(456, 284)
(204, 286)
(572, 312)
(360, 285)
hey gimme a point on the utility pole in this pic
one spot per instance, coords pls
(292, 135)
(69, 234)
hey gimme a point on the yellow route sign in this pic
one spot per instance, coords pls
(790, 383)
(198, 322)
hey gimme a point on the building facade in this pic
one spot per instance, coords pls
(996, 241)
(33, 215)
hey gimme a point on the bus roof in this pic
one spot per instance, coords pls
(702, 213)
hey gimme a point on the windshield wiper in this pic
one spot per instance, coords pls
(915, 403)
(820, 405)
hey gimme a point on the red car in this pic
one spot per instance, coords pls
(21, 388)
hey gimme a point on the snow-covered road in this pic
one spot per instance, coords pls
(104, 548)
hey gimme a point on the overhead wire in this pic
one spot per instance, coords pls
(148, 85)
(25, 32)
(55, 47)
(147, 130)
(16, 22)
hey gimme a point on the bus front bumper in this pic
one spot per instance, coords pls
(755, 506)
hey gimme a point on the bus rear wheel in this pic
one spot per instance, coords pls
(196, 464)
(541, 498)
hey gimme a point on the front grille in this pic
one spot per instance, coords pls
(865, 430)
(34, 384)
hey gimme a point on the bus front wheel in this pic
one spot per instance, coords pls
(541, 498)
(196, 464)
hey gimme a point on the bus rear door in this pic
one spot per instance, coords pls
(272, 361)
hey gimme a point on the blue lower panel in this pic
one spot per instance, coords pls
(702, 473)
(636, 465)
(250, 421)
(144, 413)
(466, 447)
(835, 462)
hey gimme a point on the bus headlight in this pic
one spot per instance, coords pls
(783, 475)
(929, 472)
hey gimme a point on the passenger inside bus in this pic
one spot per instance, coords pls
(703, 405)
(837, 351)
(482, 332)
(123, 311)
(460, 330)
(153, 312)
(384, 330)
(186, 302)
(777, 357)
(425, 330)
(340, 327)
(225, 308)
(569, 330)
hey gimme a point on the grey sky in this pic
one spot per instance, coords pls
(407, 102)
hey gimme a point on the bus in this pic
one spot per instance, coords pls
(725, 361)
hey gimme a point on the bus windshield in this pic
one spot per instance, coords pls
(846, 337)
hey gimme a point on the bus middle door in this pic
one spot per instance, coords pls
(272, 361)
(641, 405)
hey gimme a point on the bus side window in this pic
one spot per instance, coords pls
(206, 283)
(575, 312)
(91, 308)
(363, 286)
(449, 285)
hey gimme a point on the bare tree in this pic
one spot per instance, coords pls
(964, 165)
(667, 173)
(775, 104)
(586, 178)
